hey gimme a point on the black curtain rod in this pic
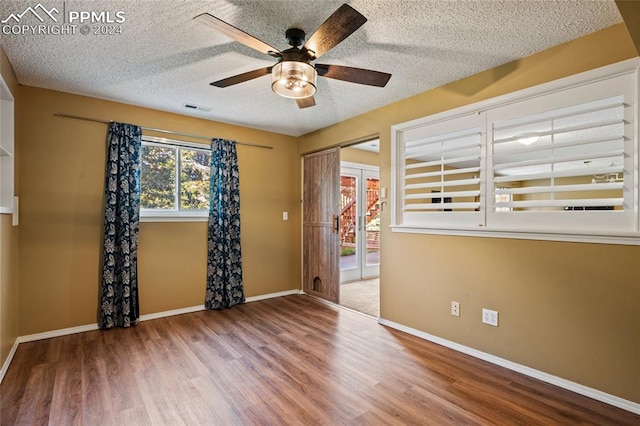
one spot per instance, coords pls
(150, 129)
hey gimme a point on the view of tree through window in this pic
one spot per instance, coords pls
(160, 165)
(158, 177)
(194, 179)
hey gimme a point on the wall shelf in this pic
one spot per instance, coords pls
(7, 160)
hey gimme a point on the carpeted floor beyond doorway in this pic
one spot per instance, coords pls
(362, 296)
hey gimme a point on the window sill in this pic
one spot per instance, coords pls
(631, 239)
(173, 217)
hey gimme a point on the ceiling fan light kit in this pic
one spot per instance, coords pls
(292, 79)
(294, 76)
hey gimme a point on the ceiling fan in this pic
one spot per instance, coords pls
(294, 76)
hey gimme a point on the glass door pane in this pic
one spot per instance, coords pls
(372, 225)
(349, 254)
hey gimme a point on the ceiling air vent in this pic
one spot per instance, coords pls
(196, 107)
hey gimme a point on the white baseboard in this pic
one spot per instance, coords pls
(190, 309)
(272, 295)
(156, 315)
(523, 369)
(57, 333)
(5, 366)
(146, 317)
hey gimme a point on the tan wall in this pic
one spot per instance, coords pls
(9, 240)
(62, 175)
(568, 309)
(360, 156)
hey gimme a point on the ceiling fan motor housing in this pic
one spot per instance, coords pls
(295, 36)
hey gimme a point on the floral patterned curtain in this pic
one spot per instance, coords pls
(224, 258)
(119, 292)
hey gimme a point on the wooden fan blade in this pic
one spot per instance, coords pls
(235, 33)
(336, 28)
(353, 75)
(241, 78)
(306, 102)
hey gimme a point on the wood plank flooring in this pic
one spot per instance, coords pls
(291, 360)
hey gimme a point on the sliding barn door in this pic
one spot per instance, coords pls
(321, 273)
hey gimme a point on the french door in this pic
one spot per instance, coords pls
(359, 222)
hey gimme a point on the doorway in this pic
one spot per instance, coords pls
(359, 222)
(359, 237)
(341, 227)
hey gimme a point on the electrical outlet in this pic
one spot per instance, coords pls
(455, 308)
(490, 317)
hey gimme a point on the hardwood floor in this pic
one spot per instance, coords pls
(291, 360)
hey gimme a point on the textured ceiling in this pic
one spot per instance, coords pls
(164, 59)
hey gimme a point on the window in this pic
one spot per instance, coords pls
(560, 158)
(174, 180)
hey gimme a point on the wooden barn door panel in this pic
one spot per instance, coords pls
(321, 273)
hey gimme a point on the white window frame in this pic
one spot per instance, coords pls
(590, 226)
(173, 215)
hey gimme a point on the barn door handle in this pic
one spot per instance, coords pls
(336, 222)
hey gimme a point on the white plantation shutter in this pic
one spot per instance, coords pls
(561, 158)
(577, 142)
(442, 173)
(565, 159)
